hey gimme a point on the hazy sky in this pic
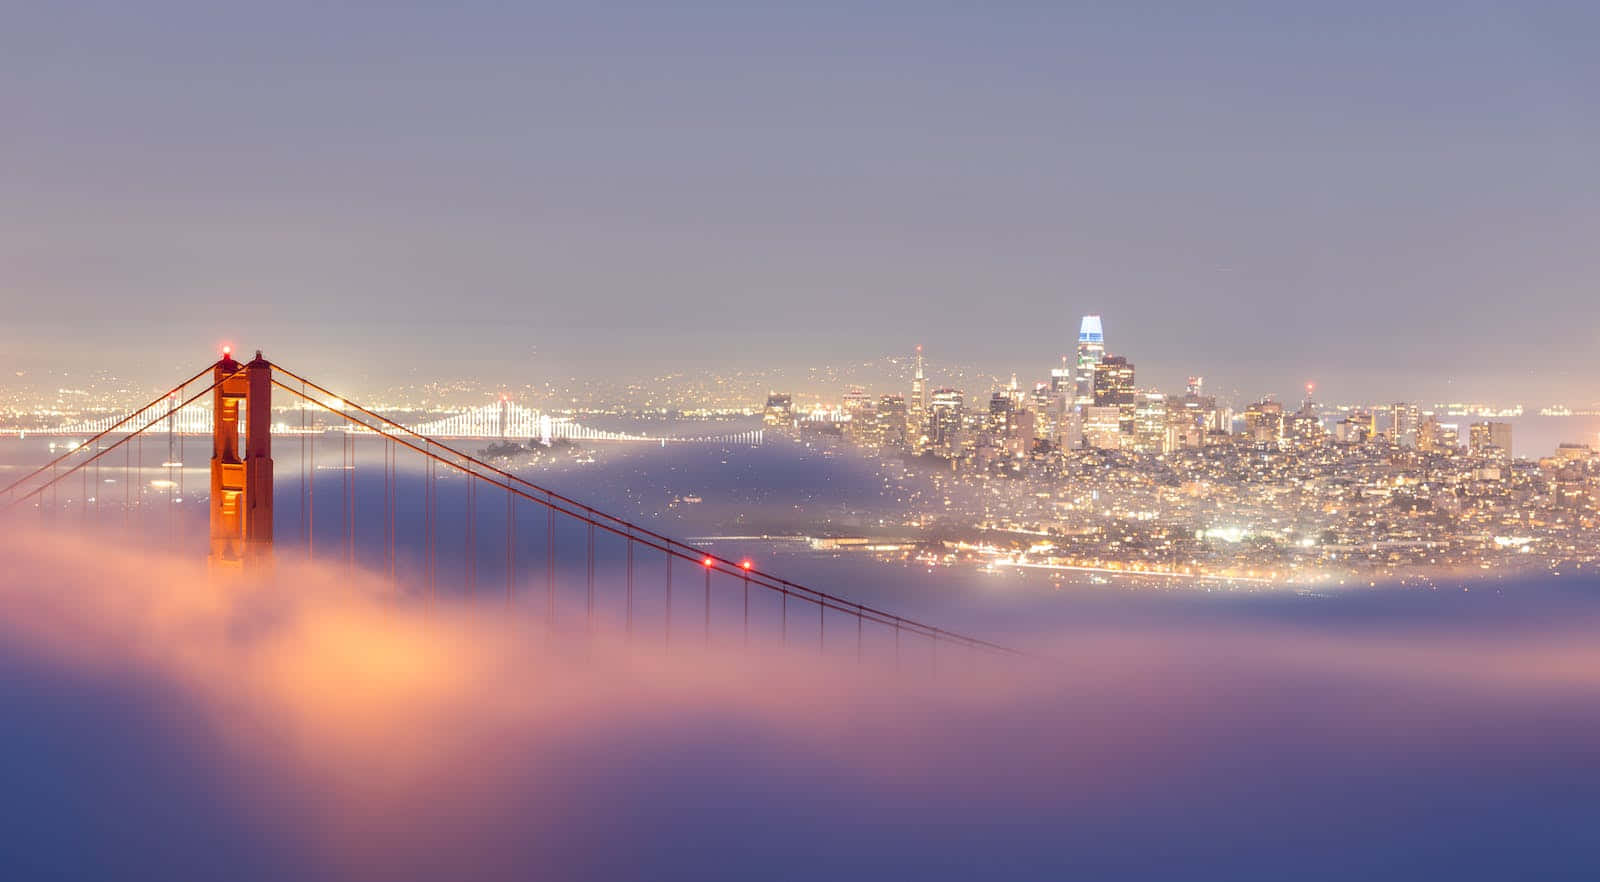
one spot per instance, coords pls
(1263, 195)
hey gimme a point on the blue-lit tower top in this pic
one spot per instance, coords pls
(1090, 330)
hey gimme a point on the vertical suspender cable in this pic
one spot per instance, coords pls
(550, 564)
(511, 520)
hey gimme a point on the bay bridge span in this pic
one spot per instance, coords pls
(502, 420)
(435, 521)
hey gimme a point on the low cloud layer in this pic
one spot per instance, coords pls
(162, 723)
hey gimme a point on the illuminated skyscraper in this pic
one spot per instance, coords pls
(1150, 424)
(1102, 427)
(1404, 421)
(1001, 406)
(1113, 387)
(1060, 397)
(945, 423)
(1491, 440)
(917, 407)
(1263, 422)
(892, 421)
(1091, 348)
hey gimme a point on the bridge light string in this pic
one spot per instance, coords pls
(577, 510)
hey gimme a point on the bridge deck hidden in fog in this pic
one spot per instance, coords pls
(242, 500)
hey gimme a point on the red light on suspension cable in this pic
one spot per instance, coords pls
(707, 562)
(746, 564)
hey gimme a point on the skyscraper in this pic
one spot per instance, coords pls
(1150, 423)
(1404, 422)
(1113, 387)
(1263, 422)
(946, 415)
(1091, 348)
(1060, 398)
(917, 407)
(892, 421)
(1489, 439)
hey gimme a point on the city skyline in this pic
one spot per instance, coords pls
(829, 383)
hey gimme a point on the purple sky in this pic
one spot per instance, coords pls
(1394, 202)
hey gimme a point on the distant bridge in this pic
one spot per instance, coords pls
(502, 420)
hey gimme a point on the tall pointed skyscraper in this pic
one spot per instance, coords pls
(917, 407)
(1091, 348)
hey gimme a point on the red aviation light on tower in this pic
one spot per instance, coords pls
(227, 350)
(707, 562)
(745, 564)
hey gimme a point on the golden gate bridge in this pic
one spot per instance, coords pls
(468, 520)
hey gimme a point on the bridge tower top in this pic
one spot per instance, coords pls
(241, 486)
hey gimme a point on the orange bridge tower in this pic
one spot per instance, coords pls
(241, 488)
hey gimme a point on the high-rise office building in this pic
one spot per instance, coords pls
(1021, 433)
(1263, 422)
(1102, 427)
(1150, 423)
(1490, 439)
(1428, 434)
(1060, 396)
(946, 414)
(892, 421)
(1062, 383)
(1404, 420)
(1091, 348)
(1113, 387)
(1001, 406)
(1449, 439)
